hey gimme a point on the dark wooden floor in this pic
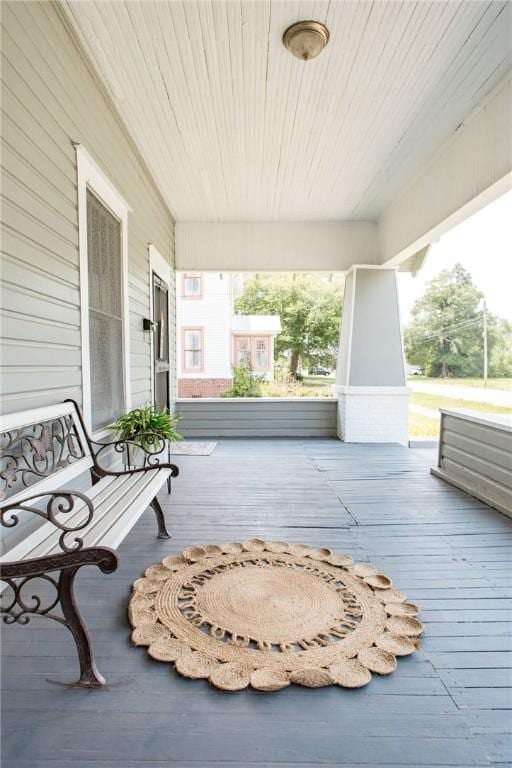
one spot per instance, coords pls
(447, 705)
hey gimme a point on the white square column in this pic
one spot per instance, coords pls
(371, 384)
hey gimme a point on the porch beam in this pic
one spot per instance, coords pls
(275, 246)
(469, 171)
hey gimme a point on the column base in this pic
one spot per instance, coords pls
(373, 414)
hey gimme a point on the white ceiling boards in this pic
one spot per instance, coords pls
(234, 128)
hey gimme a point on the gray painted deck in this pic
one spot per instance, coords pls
(447, 705)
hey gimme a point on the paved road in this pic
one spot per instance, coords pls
(476, 394)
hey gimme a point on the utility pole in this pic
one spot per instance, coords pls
(485, 343)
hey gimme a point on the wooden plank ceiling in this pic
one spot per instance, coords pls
(234, 128)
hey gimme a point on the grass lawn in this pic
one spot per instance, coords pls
(439, 401)
(311, 386)
(324, 382)
(505, 384)
(422, 426)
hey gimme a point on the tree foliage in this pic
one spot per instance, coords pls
(445, 336)
(310, 310)
(500, 363)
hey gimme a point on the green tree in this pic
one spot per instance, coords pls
(500, 362)
(445, 335)
(310, 310)
(245, 384)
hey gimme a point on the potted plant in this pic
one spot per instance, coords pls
(146, 430)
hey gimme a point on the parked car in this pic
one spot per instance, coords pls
(319, 370)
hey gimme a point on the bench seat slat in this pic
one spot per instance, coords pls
(118, 503)
(111, 528)
(43, 539)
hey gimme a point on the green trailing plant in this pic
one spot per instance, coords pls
(245, 384)
(146, 426)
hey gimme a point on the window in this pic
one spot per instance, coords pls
(254, 350)
(242, 350)
(105, 313)
(103, 226)
(237, 285)
(192, 349)
(192, 286)
(260, 362)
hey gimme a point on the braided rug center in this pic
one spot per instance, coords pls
(268, 614)
(270, 604)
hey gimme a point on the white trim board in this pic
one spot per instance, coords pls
(495, 420)
(89, 175)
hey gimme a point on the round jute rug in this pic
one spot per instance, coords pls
(267, 614)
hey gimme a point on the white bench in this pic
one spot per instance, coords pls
(43, 451)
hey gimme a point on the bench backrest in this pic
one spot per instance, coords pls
(41, 450)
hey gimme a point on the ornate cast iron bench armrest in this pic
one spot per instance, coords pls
(151, 460)
(18, 606)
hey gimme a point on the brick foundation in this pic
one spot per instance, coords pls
(203, 387)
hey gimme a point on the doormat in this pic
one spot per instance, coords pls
(189, 448)
(268, 614)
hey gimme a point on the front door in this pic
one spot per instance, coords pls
(161, 367)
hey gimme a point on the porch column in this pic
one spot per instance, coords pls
(373, 399)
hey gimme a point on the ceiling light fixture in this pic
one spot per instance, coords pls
(306, 39)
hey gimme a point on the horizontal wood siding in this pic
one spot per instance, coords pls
(478, 458)
(51, 99)
(258, 418)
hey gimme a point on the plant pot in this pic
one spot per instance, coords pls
(133, 456)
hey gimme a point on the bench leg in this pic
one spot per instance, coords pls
(90, 677)
(163, 533)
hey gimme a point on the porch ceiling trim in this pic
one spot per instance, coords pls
(275, 246)
(470, 171)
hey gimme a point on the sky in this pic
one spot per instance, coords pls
(483, 245)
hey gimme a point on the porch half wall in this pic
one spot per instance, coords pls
(52, 100)
(258, 417)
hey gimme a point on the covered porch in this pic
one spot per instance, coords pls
(144, 138)
(191, 135)
(448, 704)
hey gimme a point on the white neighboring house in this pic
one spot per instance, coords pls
(212, 339)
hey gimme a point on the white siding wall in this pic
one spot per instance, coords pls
(213, 313)
(50, 99)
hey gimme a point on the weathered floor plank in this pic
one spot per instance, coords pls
(448, 705)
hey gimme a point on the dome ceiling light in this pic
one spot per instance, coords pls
(306, 39)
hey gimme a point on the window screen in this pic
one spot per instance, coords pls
(105, 313)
